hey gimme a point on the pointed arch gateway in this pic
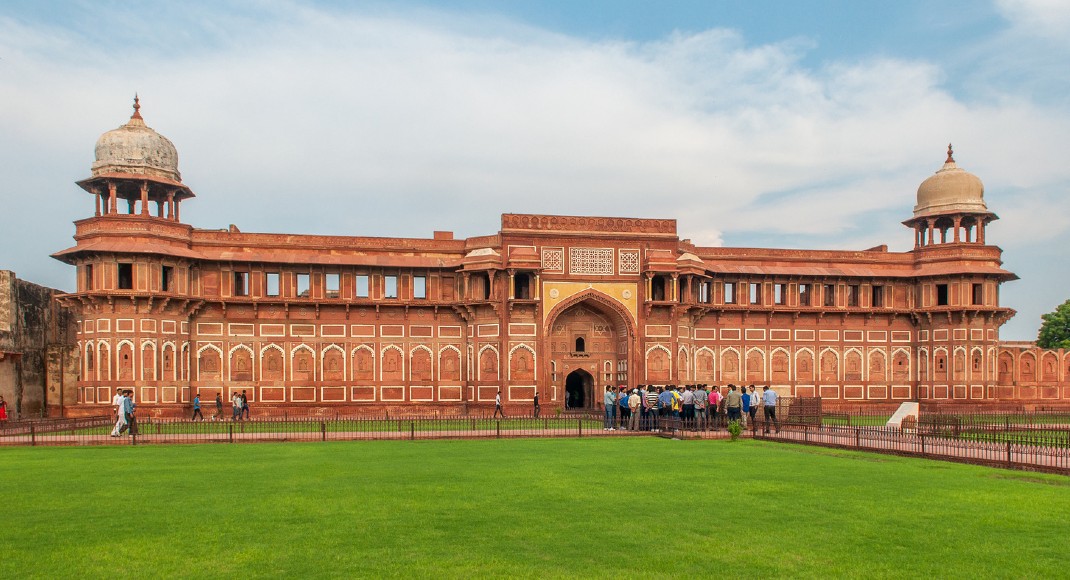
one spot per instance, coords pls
(607, 330)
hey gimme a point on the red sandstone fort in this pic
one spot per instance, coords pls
(554, 305)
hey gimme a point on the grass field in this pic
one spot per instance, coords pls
(533, 508)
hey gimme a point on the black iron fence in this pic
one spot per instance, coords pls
(101, 431)
(1002, 453)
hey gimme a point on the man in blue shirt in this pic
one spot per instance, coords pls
(665, 404)
(197, 408)
(625, 413)
(746, 405)
(769, 404)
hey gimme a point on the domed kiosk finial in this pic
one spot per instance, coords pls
(951, 207)
(136, 164)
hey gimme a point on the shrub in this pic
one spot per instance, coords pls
(734, 429)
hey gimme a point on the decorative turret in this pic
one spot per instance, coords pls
(952, 200)
(137, 164)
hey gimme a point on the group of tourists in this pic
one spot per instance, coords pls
(239, 402)
(125, 420)
(647, 407)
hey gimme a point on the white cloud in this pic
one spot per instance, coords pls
(300, 120)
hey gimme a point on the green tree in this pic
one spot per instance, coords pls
(1055, 330)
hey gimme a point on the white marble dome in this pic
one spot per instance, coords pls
(951, 190)
(135, 149)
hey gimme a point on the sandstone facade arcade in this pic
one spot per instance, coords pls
(555, 305)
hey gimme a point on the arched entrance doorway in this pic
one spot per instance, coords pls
(589, 340)
(579, 390)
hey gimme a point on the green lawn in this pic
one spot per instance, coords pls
(534, 508)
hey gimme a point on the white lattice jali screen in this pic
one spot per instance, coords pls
(553, 259)
(629, 261)
(594, 261)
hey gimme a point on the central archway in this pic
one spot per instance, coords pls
(592, 332)
(579, 390)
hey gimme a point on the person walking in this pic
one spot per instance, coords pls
(117, 403)
(769, 397)
(218, 407)
(625, 412)
(634, 403)
(235, 402)
(120, 415)
(609, 401)
(130, 422)
(537, 408)
(197, 408)
(244, 405)
(498, 405)
(3, 409)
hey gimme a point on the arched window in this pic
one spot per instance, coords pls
(580, 345)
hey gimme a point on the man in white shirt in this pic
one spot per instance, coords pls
(120, 417)
(498, 405)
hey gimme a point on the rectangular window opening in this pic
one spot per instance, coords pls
(126, 276)
(271, 284)
(241, 283)
(780, 294)
(89, 276)
(852, 295)
(704, 292)
(978, 294)
(755, 293)
(877, 297)
(419, 287)
(729, 293)
(332, 285)
(941, 295)
(804, 294)
(167, 278)
(829, 291)
(390, 287)
(303, 285)
(362, 285)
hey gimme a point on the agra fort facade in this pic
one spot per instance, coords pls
(558, 305)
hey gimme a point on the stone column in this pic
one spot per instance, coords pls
(512, 284)
(145, 198)
(958, 226)
(96, 197)
(113, 198)
(171, 205)
(932, 225)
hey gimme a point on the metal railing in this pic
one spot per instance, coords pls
(99, 431)
(1006, 452)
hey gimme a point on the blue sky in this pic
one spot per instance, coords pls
(774, 124)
